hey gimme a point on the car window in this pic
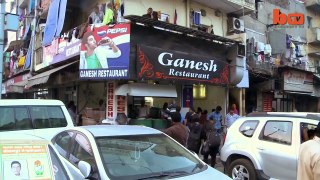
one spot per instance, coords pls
(248, 128)
(58, 169)
(48, 116)
(63, 143)
(23, 120)
(82, 151)
(278, 132)
(7, 121)
(307, 131)
(143, 156)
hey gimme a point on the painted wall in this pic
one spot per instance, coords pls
(89, 97)
(216, 96)
(139, 7)
(169, 6)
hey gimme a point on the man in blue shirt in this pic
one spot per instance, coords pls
(231, 117)
(216, 115)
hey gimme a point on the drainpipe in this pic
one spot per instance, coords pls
(188, 13)
(2, 12)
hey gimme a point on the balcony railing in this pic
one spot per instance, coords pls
(313, 36)
(265, 67)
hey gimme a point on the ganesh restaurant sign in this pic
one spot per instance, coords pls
(156, 63)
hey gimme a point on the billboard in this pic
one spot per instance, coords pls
(155, 63)
(105, 52)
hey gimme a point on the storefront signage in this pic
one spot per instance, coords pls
(121, 104)
(105, 53)
(60, 50)
(20, 161)
(298, 81)
(155, 63)
(17, 79)
(110, 100)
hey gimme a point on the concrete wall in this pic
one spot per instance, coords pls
(169, 6)
(216, 96)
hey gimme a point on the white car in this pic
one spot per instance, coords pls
(24, 156)
(266, 145)
(39, 117)
(129, 152)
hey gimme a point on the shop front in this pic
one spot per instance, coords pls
(163, 67)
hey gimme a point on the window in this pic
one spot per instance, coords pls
(47, 117)
(23, 120)
(7, 121)
(63, 142)
(277, 131)
(82, 151)
(58, 169)
(248, 128)
(307, 131)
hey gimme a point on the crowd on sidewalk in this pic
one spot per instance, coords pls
(199, 131)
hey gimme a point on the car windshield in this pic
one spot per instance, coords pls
(145, 156)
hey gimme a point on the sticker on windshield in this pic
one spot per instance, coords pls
(24, 162)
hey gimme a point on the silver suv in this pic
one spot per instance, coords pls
(266, 145)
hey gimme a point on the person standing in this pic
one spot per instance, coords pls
(149, 13)
(96, 16)
(234, 106)
(309, 158)
(212, 140)
(216, 115)
(196, 134)
(143, 110)
(189, 115)
(72, 111)
(231, 117)
(108, 15)
(177, 131)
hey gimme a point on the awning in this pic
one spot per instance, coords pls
(43, 77)
(14, 44)
(147, 90)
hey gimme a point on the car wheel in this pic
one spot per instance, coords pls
(242, 169)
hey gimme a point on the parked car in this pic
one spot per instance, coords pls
(39, 117)
(266, 145)
(129, 152)
(24, 156)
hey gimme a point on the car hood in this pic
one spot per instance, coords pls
(209, 173)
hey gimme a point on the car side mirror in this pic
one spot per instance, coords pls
(194, 153)
(85, 168)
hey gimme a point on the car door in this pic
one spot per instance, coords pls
(276, 149)
(63, 142)
(82, 151)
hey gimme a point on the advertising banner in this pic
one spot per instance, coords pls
(156, 63)
(105, 52)
(18, 161)
(59, 50)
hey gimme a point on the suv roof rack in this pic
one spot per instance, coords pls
(307, 115)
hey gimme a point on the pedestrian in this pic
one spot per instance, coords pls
(178, 111)
(231, 117)
(216, 115)
(189, 115)
(96, 16)
(309, 158)
(212, 142)
(165, 113)
(234, 106)
(177, 131)
(199, 111)
(196, 134)
(203, 117)
(72, 111)
(143, 110)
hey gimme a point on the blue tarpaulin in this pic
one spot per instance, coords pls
(55, 21)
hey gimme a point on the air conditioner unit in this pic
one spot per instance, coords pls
(235, 25)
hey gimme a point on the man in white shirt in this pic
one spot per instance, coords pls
(231, 117)
(309, 158)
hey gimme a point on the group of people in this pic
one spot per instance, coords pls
(97, 16)
(198, 131)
